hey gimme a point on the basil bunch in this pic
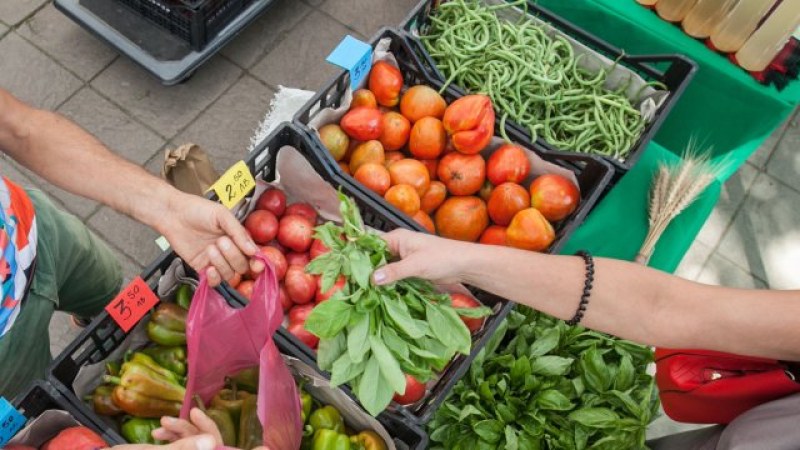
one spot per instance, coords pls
(540, 384)
(371, 336)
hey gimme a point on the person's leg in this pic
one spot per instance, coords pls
(87, 274)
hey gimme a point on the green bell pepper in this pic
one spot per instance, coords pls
(140, 431)
(327, 418)
(172, 358)
(183, 296)
(330, 440)
(306, 402)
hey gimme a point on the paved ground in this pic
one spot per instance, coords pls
(751, 240)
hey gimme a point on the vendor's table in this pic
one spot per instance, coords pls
(723, 106)
(618, 225)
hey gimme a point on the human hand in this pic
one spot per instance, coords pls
(201, 442)
(424, 256)
(208, 237)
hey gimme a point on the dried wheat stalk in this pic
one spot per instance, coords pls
(674, 189)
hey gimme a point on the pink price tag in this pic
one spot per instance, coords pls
(132, 303)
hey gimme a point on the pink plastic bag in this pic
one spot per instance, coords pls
(222, 340)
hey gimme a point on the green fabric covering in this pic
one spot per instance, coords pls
(618, 225)
(724, 106)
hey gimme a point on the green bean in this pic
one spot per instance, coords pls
(532, 77)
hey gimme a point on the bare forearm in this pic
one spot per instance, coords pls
(642, 304)
(69, 157)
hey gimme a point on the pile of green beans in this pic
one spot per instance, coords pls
(532, 78)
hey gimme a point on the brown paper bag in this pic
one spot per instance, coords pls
(189, 169)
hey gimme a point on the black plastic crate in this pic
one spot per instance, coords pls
(41, 397)
(103, 336)
(593, 174)
(193, 21)
(406, 435)
(677, 72)
(375, 214)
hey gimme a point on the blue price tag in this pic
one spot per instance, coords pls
(353, 55)
(10, 421)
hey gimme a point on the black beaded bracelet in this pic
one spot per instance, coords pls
(587, 287)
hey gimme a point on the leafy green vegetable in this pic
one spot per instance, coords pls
(540, 384)
(371, 336)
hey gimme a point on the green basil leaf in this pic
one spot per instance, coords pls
(448, 328)
(553, 400)
(489, 430)
(329, 350)
(396, 344)
(520, 369)
(512, 441)
(374, 392)
(595, 373)
(468, 410)
(422, 353)
(390, 368)
(325, 262)
(330, 234)
(474, 313)
(368, 301)
(328, 318)
(545, 343)
(625, 375)
(551, 365)
(357, 338)
(441, 434)
(594, 417)
(360, 267)
(397, 311)
(581, 436)
(506, 413)
(344, 370)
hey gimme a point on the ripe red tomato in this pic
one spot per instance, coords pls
(299, 313)
(299, 331)
(422, 101)
(274, 201)
(296, 232)
(427, 139)
(412, 172)
(286, 302)
(385, 81)
(494, 235)
(302, 209)
(396, 129)
(462, 174)
(374, 177)
(422, 218)
(277, 245)
(318, 248)
(465, 301)
(529, 230)
(262, 226)
(365, 98)
(279, 263)
(363, 124)
(506, 200)
(300, 286)
(554, 196)
(462, 218)
(245, 288)
(323, 296)
(298, 259)
(508, 163)
(415, 390)
(75, 438)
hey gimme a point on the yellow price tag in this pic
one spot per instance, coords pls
(234, 184)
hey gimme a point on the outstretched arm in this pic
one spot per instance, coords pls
(628, 300)
(201, 232)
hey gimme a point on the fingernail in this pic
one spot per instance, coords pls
(206, 443)
(170, 420)
(379, 276)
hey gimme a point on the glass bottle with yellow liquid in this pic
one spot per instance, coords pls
(731, 34)
(705, 16)
(674, 10)
(768, 40)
